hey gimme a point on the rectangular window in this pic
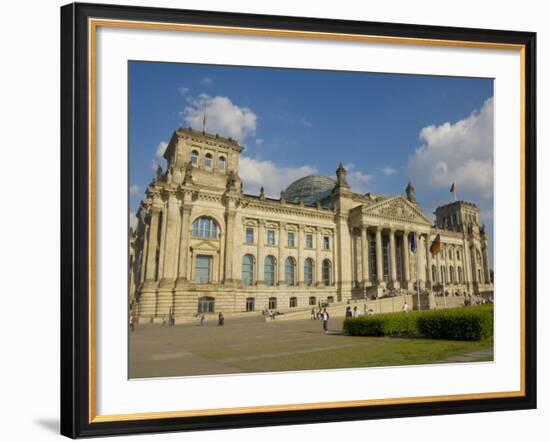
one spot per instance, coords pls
(250, 235)
(270, 237)
(309, 241)
(203, 264)
(326, 242)
(249, 304)
(290, 239)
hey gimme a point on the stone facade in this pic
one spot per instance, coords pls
(201, 244)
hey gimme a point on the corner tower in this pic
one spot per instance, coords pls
(202, 159)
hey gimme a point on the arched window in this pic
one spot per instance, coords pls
(312, 300)
(452, 274)
(269, 270)
(272, 303)
(290, 266)
(308, 271)
(248, 270)
(443, 275)
(326, 272)
(208, 160)
(195, 157)
(293, 301)
(460, 278)
(205, 227)
(434, 273)
(221, 163)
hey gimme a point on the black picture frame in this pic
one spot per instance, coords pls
(75, 221)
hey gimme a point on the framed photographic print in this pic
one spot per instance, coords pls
(274, 220)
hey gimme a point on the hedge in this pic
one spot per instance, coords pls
(464, 324)
(387, 324)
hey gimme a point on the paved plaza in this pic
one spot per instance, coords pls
(250, 344)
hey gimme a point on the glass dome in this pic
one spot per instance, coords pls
(310, 188)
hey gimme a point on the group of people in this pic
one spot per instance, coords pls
(201, 317)
(355, 312)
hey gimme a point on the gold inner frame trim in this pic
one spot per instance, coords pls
(93, 24)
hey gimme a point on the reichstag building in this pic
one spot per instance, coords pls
(202, 245)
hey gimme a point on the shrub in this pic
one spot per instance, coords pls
(464, 324)
(389, 324)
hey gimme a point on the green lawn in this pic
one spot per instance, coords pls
(252, 345)
(371, 352)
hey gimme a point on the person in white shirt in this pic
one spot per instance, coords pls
(405, 308)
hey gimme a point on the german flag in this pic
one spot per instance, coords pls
(435, 248)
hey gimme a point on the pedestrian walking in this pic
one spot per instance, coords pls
(202, 320)
(348, 312)
(221, 319)
(313, 314)
(355, 312)
(405, 308)
(325, 317)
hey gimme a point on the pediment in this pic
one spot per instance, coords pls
(205, 245)
(398, 209)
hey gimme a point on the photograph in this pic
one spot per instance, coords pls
(304, 219)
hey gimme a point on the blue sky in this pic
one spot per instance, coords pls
(386, 128)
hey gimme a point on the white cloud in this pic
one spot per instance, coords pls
(389, 170)
(206, 81)
(222, 117)
(460, 152)
(259, 141)
(161, 148)
(134, 190)
(133, 221)
(184, 90)
(357, 180)
(257, 173)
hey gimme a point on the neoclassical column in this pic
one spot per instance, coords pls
(365, 256)
(229, 236)
(467, 266)
(421, 264)
(474, 265)
(162, 224)
(299, 263)
(260, 254)
(169, 268)
(183, 274)
(485, 254)
(153, 244)
(318, 261)
(393, 265)
(406, 265)
(428, 263)
(379, 258)
(144, 253)
(281, 260)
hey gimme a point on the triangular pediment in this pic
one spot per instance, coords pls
(398, 208)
